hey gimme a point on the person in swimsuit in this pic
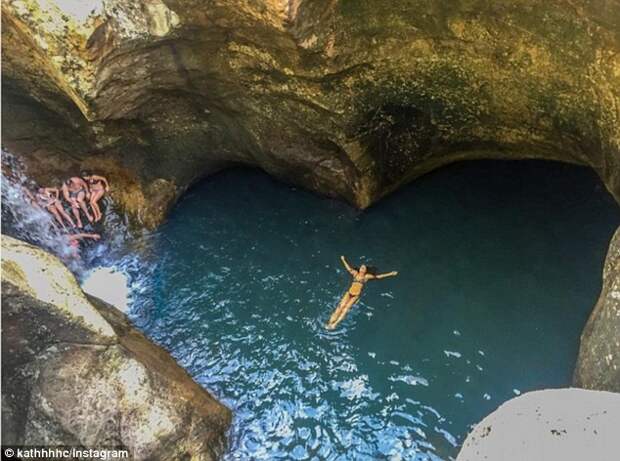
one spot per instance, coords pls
(47, 198)
(75, 191)
(74, 242)
(360, 277)
(29, 197)
(98, 186)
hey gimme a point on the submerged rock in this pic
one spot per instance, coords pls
(559, 424)
(75, 372)
(350, 99)
(598, 364)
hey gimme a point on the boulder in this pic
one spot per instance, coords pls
(549, 425)
(75, 372)
(598, 364)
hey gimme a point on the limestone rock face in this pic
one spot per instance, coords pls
(348, 98)
(558, 424)
(75, 372)
(598, 365)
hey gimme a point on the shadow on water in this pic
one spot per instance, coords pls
(499, 265)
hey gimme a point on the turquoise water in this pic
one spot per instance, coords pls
(500, 265)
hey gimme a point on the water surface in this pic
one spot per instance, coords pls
(500, 265)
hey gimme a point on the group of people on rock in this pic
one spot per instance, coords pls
(79, 193)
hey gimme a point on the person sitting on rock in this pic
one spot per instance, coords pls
(360, 277)
(98, 186)
(74, 242)
(75, 192)
(47, 198)
(29, 197)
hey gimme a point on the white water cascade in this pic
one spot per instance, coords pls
(100, 265)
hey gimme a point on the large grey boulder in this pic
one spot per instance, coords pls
(598, 364)
(75, 372)
(549, 425)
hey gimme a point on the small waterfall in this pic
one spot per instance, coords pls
(23, 220)
(115, 268)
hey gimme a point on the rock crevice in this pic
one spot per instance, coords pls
(350, 99)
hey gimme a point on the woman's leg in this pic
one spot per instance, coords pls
(94, 204)
(82, 204)
(93, 207)
(336, 313)
(75, 208)
(345, 310)
(52, 209)
(63, 213)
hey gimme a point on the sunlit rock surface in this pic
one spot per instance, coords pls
(348, 98)
(42, 276)
(598, 365)
(75, 372)
(109, 285)
(562, 424)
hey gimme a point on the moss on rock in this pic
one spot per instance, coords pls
(351, 99)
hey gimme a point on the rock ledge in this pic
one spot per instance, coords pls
(75, 372)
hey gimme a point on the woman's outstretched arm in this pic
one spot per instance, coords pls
(386, 275)
(346, 265)
(84, 236)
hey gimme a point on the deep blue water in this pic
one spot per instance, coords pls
(500, 265)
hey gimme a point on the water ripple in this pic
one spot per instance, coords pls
(240, 281)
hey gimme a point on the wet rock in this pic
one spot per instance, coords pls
(598, 364)
(350, 99)
(75, 372)
(559, 424)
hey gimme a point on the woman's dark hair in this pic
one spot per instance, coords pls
(372, 270)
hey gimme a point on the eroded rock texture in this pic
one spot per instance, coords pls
(75, 372)
(349, 98)
(598, 365)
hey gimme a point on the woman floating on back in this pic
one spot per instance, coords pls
(360, 277)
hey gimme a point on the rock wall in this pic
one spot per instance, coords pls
(598, 364)
(348, 98)
(557, 424)
(76, 373)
